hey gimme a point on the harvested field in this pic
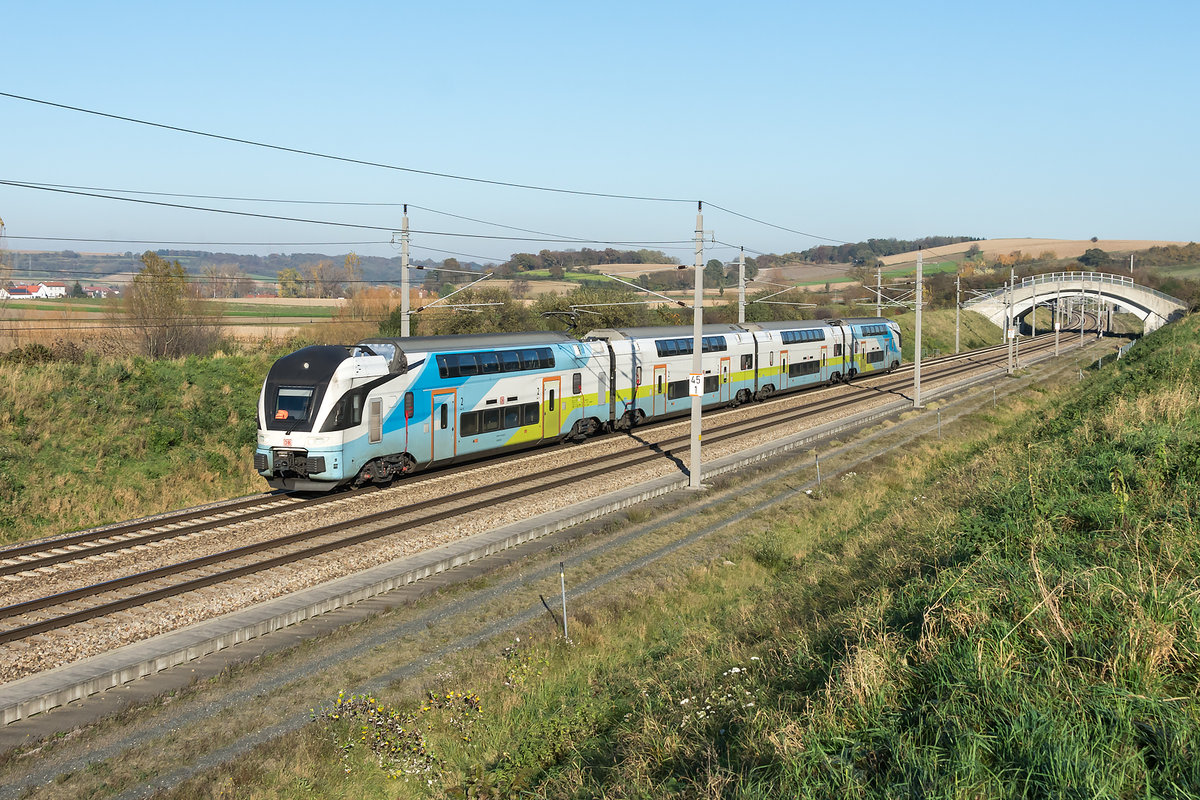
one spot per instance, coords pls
(1062, 248)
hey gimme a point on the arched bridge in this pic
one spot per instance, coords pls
(1153, 307)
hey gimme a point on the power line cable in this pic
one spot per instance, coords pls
(344, 159)
(198, 244)
(361, 226)
(362, 162)
(233, 198)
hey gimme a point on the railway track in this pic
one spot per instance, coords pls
(54, 612)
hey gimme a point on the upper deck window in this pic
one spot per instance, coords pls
(683, 347)
(807, 335)
(490, 362)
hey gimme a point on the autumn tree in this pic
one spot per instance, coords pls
(164, 311)
(291, 284)
(352, 267)
(325, 278)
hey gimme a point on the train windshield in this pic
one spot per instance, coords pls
(294, 403)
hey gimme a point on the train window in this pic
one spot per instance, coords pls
(468, 423)
(637, 377)
(550, 407)
(577, 383)
(530, 412)
(715, 344)
(748, 361)
(465, 365)
(660, 385)
(670, 348)
(512, 417)
(771, 359)
(445, 414)
(711, 383)
(837, 349)
(804, 368)
(491, 419)
(489, 363)
(677, 389)
(408, 405)
(875, 357)
(375, 421)
(292, 403)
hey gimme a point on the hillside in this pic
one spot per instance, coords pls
(1062, 248)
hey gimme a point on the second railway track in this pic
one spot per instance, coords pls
(38, 621)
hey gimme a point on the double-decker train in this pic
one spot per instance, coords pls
(331, 415)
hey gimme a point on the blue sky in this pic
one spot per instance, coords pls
(844, 121)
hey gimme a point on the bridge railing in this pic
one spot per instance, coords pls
(1088, 279)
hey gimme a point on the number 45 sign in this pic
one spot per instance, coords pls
(695, 385)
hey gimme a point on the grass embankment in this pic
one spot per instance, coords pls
(937, 332)
(1015, 614)
(88, 441)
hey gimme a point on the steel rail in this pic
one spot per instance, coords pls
(609, 461)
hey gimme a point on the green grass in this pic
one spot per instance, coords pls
(94, 440)
(1015, 614)
(569, 275)
(1188, 271)
(937, 332)
(930, 268)
(272, 311)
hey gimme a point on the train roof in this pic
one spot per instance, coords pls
(793, 325)
(868, 321)
(471, 341)
(663, 332)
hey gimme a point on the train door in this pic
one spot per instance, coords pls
(443, 422)
(824, 363)
(660, 390)
(783, 369)
(551, 408)
(725, 380)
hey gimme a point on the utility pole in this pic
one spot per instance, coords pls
(1016, 330)
(1082, 309)
(742, 287)
(1033, 311)
(1008, 327)
(957, 307)
(1057, 318)
(404, 302)
(697, 352)
(917, 338)
(879, 291)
